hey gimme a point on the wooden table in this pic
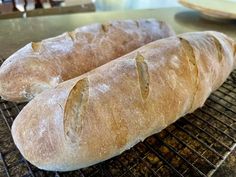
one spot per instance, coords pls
(16, 33)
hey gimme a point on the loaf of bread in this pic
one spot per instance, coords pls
(42, 65)
(103, 112)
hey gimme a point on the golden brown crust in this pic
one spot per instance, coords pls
(110, 105)
(42, 65)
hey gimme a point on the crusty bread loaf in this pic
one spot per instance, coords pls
(42, 65)
(100, 114)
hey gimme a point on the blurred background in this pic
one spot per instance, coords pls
(107, 5)
(16, 8)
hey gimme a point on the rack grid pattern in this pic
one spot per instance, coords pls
(195, 145)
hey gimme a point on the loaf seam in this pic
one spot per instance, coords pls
(74, 109)
(143, 75)
(186, 45)
(36, 46)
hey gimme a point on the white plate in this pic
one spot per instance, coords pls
(223, 9)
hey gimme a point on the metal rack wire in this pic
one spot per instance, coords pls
(195, 145)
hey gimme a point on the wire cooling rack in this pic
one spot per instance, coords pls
(195, 145)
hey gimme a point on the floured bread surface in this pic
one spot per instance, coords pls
(104, 112)
(42, 65)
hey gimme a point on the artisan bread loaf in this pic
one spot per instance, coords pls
(42, 65)
(102, 113)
